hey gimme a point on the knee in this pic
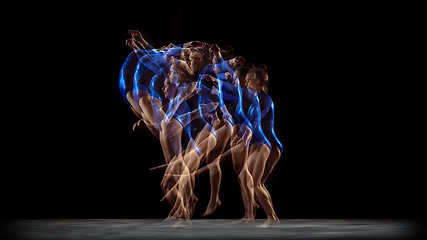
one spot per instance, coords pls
(214, 166)
(257, 186)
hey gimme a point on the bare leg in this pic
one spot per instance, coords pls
(225, 160)
(145, 105)
(169, 180)
(203, 144)
(206, 142)
(141, 115)
(257, 161)
(170, 139)
(245, 180)
(271, 162)
(213, 164)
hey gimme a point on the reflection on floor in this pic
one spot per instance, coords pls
(209, 229)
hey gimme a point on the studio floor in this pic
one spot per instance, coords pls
(209, 229)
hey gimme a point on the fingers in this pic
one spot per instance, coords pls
(207, 77)
(214, 48)
(214, 91)
(129, 41)
(241, 60)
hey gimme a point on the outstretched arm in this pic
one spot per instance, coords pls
(132, 44)
(136, 35)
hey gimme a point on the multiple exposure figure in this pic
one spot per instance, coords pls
(196, 98)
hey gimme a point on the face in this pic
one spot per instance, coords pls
(250, 81)
(169, 86)
(173, 75)
(195, 63)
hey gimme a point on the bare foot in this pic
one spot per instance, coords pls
(244, 220)
(268, 223)
(211, 207)
(170, 218)
(182, 222)
(192, 205)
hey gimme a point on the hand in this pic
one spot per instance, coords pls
(228, 77)
(214, 48)
(215, 91)
(205, 111)
(167, 47)
(239, 60)
(209, 78)
(136, 35)
(131, 44)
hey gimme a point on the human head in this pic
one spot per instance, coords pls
(199, 58)
(241, 72)
(173, 79)
(257, 79)
(227, 53)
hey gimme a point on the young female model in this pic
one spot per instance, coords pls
(265, 148)
(264, 151)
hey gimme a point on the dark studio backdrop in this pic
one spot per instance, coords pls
(331, 116)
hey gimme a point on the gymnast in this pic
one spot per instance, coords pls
(205, 140)
(192, 127)
(148, 82)
(246, 118)
(240, 156)
(224, 129)
(155, 61)
(261, 146)
(170, 137)
(204, 137)
(265, 149)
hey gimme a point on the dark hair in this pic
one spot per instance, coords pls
(243, 70)
(261, 74)
(227, 53)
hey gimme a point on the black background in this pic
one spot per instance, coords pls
(336, 115)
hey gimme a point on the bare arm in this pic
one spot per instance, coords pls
(132, 44)
(217, 55)
(136, 35)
